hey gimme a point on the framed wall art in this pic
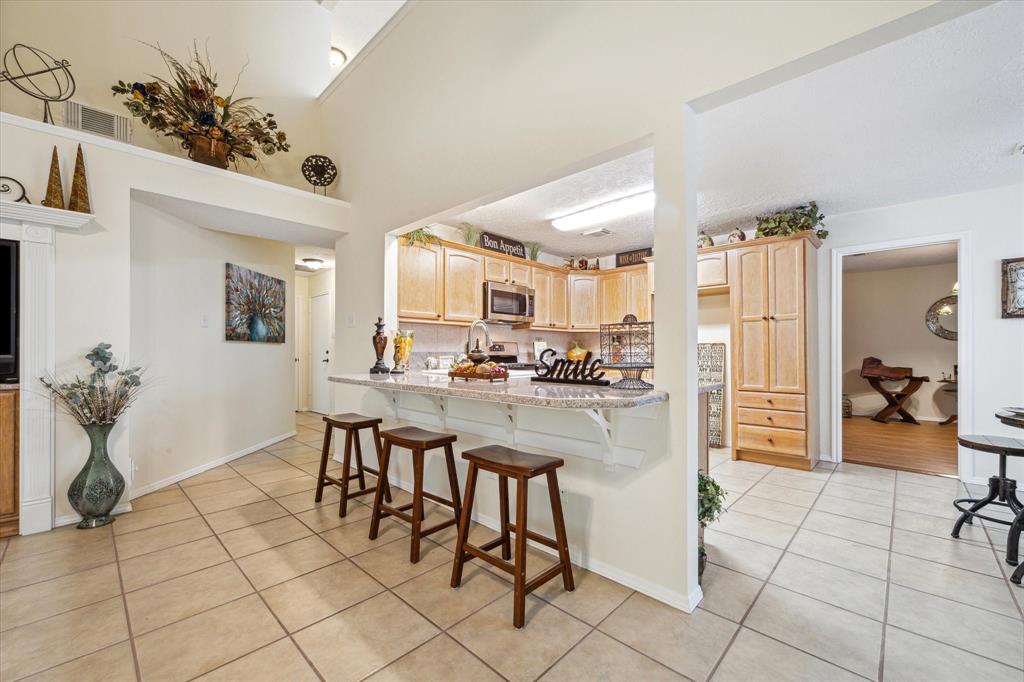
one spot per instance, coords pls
(254, 305)
(1013, 287)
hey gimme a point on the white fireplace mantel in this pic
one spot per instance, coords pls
(35, 227)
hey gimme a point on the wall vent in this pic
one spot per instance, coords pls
(97, 121)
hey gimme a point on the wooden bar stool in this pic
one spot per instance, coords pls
(418, 441)
(350, 423)
(522, 466)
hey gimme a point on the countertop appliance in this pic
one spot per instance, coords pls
(507, 303)
(507, 353)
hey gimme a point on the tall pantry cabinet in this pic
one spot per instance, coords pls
(774, 351)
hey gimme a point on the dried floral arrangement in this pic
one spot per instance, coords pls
(188, 106)
(792, 221)
(102, 396)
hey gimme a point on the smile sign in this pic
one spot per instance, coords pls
(586, 372)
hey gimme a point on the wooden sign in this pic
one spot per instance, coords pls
(509, 247)
(634, 257)
(585, 372)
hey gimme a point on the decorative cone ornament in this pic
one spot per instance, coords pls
(79, 188)
(54, 188)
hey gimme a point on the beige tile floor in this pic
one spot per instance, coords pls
(236, 574)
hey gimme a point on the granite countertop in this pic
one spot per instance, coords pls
(519, 391)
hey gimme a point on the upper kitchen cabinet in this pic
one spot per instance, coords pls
(613, 293)
(583, 309)
(420, 281)
(541, 298)
(639, 293)
(463, 285)
(712, 272)
(559, 305)
(496, 269)
(520, 274)
(786, 319)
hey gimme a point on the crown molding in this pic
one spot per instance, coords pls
(16, 211)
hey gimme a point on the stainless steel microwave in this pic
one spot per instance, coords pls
(507, 303)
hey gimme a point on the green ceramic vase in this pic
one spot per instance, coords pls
(98, 486)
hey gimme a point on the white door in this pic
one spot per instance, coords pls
(320, 355)
(301, 353)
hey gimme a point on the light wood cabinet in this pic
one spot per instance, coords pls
(9, 505)
(613, 294)
(541, 299)
(559, 305)
(583, 310)
(463, 285)
(520, 274)
(772, 294)
(420, 281)
(496, 269)
(639, 294)
(712, 269)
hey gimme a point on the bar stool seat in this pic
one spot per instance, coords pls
(419, 441)
(522, 466)
(351, 423)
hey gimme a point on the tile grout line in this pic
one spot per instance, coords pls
(888, 583)
(124, 605)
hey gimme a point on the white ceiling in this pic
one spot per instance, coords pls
(940, 112)
(911, 257)
(355, 22)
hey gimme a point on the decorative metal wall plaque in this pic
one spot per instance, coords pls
(711, 370)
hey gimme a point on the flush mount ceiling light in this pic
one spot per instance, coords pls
(338, 57)
(602, 213)
(313, 263)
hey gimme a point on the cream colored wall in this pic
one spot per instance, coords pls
(100, 39)
(469, 101)
(714, 320)
(207, 398)
(883, 316)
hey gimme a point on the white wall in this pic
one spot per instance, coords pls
(208, 398)
(714, 320)
(994, 223)
(883, 316)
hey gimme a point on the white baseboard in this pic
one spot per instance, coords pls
(146, 489)
(75, 518)
(34, 516)
(674, 599)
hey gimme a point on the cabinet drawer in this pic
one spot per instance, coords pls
(771, 401)
(781, 441)
(771, 418)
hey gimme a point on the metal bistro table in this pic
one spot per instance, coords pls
(1002, 491)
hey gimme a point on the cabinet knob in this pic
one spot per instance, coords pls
(771, 317)
(769, 418)
(769, 401)
(763, 317)
(770, 439)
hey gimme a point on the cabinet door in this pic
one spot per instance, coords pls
(786, 317)
(639, 302)
(613, 297)
(420, 278)
(650, 276)
(712, 269)
(520, 273)
(750, 316)
(559, 308)
(541, 298)
(9, 507)
(583, 312)
(463, 286)
(495, 269)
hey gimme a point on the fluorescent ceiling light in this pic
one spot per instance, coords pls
(337, 57)
(603, 213)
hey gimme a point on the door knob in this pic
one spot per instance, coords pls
(326, 360)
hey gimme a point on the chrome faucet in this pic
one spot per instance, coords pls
(469, 337)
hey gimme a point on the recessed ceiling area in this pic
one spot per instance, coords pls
(910, 257)
(354, 23)
(302, 251)
(934, 114)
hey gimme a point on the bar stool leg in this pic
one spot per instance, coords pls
(559, 522)
(1013, 539)
(359, 462)
(382, 478)
(346, 462)
(385, 458)
(506, 537)
(453, 480)
(463, 536)
(417, 505)
(324, 454)
(993, 493)
(519, 611)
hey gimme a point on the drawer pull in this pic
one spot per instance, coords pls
(769, 418)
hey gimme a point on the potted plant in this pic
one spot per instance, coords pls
(96, 402)
(470, 233)
(710, 498)
(419, 237)
(533, 250)
(215, 129)
(792, 221)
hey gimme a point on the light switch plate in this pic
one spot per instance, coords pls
(204, 320)
(350, 320)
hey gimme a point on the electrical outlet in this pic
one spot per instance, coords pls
(204, 320)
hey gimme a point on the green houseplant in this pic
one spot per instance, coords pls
(710, 501)
(533, 250)
(470, 233)
(420, 237)
(791, 221)
(96, 401)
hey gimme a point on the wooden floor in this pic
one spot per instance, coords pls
(926, 448)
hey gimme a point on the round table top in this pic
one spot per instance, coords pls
(1010, 418)
(1001, 445)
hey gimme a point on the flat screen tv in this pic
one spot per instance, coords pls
(8, 311)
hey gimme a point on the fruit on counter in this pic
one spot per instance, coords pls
(489, 370)
(576, 353)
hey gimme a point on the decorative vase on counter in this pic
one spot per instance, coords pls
(380, 343)
(737, 235)
(576, 352)
(704, 240)
(98, 486)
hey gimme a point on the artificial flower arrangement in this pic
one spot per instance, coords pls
(214, 128)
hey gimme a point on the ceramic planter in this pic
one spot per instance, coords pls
(99, 485)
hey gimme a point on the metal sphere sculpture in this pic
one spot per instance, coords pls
(38, 75)
(319, 171)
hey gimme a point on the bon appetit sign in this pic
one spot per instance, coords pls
(509, 247)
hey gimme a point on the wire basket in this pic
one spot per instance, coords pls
(628, 346)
